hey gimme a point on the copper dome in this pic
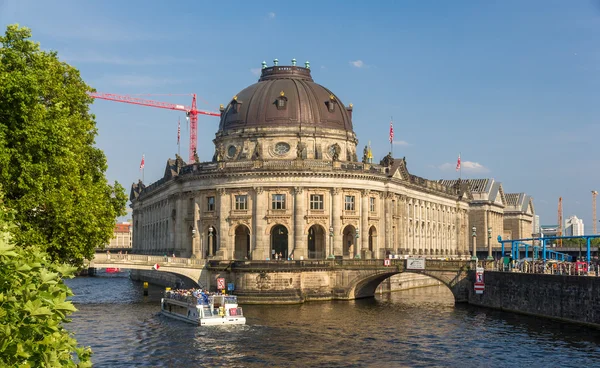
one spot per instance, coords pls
(286, 95)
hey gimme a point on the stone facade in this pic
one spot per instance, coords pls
(285, 179)
(518, 216)
(486, 210)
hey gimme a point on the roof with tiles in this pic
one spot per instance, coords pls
(519, 202)
(482, 189)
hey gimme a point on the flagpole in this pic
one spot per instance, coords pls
(460, 173)
(178, 137)
(391, 137)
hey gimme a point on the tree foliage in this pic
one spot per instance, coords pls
(34, 307)
(50, 171)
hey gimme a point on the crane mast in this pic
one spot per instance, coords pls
(190, 111)
(560, 221)
(594, 215)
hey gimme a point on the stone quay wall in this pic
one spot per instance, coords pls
(574, 299)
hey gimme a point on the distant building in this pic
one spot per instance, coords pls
(574, 226)
(549, 230)
(518, 215)
(536, 225)
(121, 236)
(486, 209)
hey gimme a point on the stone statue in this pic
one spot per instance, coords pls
(365, 158)
(299, 150)
(256, 153)
(336, 152)
(196, 158)
(354, 157)
(220, 152)
(387, 160)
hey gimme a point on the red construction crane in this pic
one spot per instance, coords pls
(191, 111)
(560, 221)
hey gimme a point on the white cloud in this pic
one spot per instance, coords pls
(358, 63)
(401, 143)
(271, 15)
(255, 71)
(467, 166)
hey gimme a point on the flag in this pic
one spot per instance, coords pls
(458, 163)
(391, 132)
(156, 266)
(178, 130)
(142, 163)
(369, 153)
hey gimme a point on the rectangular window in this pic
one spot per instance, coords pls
(278, 202)
(316, 201)
(349, 203)
(210, 203)
(371, 204)
(241, 202)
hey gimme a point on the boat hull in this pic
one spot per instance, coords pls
(193, 314)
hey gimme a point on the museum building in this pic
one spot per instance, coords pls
(285, 181)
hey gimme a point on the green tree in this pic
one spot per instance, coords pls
(34, 307)
(50, 171)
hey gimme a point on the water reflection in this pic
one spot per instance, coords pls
(417, 328)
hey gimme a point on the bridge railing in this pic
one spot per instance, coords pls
(141, 258)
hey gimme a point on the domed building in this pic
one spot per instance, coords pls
(285, 181)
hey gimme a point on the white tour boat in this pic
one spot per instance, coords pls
(202, 309)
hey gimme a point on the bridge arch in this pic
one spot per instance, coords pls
(364, 287)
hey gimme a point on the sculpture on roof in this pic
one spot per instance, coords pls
(387, 160)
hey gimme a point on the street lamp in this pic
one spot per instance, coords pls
(474, 254)
(490, 257)
(331, 256)
(357, 256)
(210, 241)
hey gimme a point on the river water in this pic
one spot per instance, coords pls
(415, 328)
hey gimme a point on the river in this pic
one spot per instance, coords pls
(415, 328)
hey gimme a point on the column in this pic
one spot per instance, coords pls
(223, 234)
(337, 221)
(260, 249)
(364, 223)
(300, 246)
(388, 221)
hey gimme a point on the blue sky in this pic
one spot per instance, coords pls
(512, 85)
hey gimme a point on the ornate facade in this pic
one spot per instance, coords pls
(285, 180)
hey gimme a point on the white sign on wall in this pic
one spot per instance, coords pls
(415, 263)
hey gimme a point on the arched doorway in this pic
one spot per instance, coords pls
(212, 243)
(242, 242)
(349, 241)
(372, 240)
(279, 241)
(316, 242)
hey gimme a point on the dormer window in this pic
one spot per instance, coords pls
(331, 103)
(281, 102)
(235, 105)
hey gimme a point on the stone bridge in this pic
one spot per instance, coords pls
(287, 282)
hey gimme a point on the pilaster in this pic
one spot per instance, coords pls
(223, 236)
(337, 221)
(300, 246)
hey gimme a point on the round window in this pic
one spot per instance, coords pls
(282, 148)
(231, 151)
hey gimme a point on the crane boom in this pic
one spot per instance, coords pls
(191, 111)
